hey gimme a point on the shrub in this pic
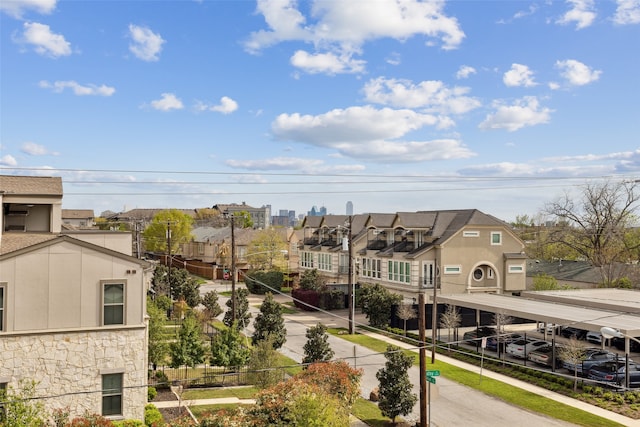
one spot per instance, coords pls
(152, 415)
(272, 279)
(308, 300)
(151, 393)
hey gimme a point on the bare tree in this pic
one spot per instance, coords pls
(573, 353)
(501, 320)
(596, 224)
(450, 319)
(406, 312)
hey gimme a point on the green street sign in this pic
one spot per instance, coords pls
(432, 380)
(433, 373)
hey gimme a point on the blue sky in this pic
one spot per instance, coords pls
(394, 105)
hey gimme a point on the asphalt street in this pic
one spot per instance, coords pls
(451, 404)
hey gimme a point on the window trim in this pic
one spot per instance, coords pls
(3, 306)
(516, 268)
(453, 269)
(103, 305)
(471, 233)
(478, 279)
(499, 234)
(112, 393)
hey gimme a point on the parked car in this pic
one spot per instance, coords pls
(503, 340)
(619, 344)
(474, 336)
(592, 357)
(613, 372)
(549, 329)
(544, 356)
(594, 337)
(571, 332)
(521, 348)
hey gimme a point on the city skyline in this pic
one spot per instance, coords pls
(393, 105)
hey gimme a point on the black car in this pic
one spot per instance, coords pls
(571, 332)
(592, 357)
(619, 344)
(474, 336)
(614, 373)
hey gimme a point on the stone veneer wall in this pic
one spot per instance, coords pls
(68, 368)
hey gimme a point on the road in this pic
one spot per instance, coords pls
(452, 404)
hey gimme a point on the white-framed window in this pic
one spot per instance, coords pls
(399, 271)
(470, 234)
(324, 262)
(112, 394)
(490, 273)
(452, 269)
(496, 237)
(200, 248)
(371, 267)
(113, 303)
(306, 260)
(3, 309)
(518, 268)
(478, 274)
(428, 274)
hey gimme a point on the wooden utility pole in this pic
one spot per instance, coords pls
(350, 291)
(423, 362)
(233, 270)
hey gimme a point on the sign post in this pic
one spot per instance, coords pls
(431, 377)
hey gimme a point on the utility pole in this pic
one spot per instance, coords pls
(233, 270)
(169, 262)
(423, 361)
(434, 320)
(350, 291)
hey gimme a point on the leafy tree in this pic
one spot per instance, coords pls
(406, 312)
(211, 307)
(311, 280)
(242, 219)
(155, 235)
(395, 388)
(263, 364)
(269, 247)
(21, 409)
(573, 352)
(377, 303)
(596, 224)
(450, 319)
(544, 282)
(188, 349)
(158, 347)
(317, 348)
(269, 322)
(261, 282)
(179, 284)
(228, 350)
(336, 378)
(243, 316)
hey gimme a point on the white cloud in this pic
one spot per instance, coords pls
(519, 75)
(16, 8)
(581, 12)
(8, 160)
(146, 44)
(78, 89)
(44, 41)
(465, 71)
(368, 133)
(226, 106)
(431, 95)
(168, 102)
(524, 112)
(627, 12)
(33, 149)
(342, 28)
(327, 63)
(577, 73)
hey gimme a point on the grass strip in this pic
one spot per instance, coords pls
(506, 392)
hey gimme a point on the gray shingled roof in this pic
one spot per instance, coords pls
(77, 213)
(31, 185)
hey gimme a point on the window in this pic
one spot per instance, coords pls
(428, 274)
(470, 234)
(496, 238)
(324, 262)
(399, 271)
(452, 269)
(113, 300)
(2, 309)
(516, 268)
(489, 273)
(112, 394)
(307, 259)
(371, 268)
(478, 274)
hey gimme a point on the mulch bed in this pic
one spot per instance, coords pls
(168, 414)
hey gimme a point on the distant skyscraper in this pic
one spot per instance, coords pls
(349, 208)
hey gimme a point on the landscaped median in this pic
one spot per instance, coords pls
(506, 392)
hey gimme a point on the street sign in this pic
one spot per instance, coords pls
(433, 373)
(432, 380)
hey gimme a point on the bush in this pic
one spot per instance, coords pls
(272, 279)
(151, 393)
(308, 300)
(331, 299)
(152, 415)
